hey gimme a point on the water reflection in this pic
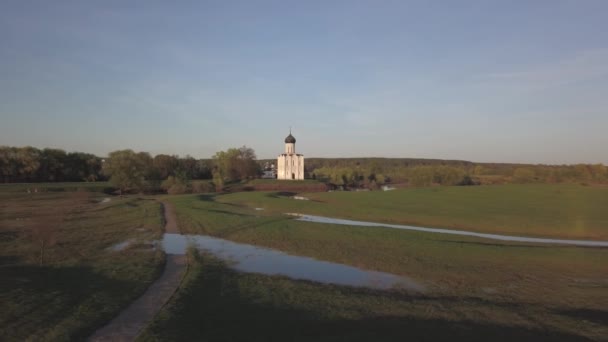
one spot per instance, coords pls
(249, 258)
(329, 220)
(117, 247)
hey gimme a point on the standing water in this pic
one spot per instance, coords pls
(329, 220)
(249, 258)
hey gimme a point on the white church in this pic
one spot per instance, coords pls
(290, 165)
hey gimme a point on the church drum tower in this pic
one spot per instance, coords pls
(290, 165)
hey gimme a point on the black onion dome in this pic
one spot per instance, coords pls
(290, 139)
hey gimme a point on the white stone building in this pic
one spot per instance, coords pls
(289, 164)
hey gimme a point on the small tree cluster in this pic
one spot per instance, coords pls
(235, 164)
(127, 170)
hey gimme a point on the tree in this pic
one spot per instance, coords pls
(52, 165)
(523, 175)
(421, 176)
(235, 164)
(6, 165)
(178, 184)
(80, 166)
(218, 180)
(165, 165)
(127, 169)
(448, 175)
(27, 162)
(188, 167)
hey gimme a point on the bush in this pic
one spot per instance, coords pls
(202, 187)
(174, 186)
(467, 180)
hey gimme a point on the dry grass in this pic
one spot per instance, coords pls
(58, 280)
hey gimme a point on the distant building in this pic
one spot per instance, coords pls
(289, 164)
(270, 171)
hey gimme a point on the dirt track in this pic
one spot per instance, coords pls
(132, 320)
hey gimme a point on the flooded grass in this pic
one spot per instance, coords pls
(252, 259)
(466, 269)
(217, 303)
(476, 289)
(329, 220)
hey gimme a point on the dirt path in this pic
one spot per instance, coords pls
(170, 218)
(131, 321)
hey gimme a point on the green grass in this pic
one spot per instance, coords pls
(81, 284)
(478, 289)
(560, 211)
(218, 304)
(450, 264)
(506, 278)
(55, 187)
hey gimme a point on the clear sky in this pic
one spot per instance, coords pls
(494, 81)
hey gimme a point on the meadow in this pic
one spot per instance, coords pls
(216, 303)
(558, 211)
(470, 280)
(477, 289)
(59, 278)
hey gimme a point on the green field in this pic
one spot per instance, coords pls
(80, 284)
(487, 282)
(477, 289)
(55, 187)
(218, 304)
(561, 211)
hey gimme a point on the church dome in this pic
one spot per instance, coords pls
(290, 139)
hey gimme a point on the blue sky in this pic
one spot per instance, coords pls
(490, 81)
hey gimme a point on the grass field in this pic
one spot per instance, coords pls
(55, 187)
(486, 282)
(80, 284)
(561, 211)
(477, 289)
(218, 304)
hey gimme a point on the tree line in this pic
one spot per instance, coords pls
(371, 172)
(30, 165)
(127, 169)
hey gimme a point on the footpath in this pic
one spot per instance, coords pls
(131, 321)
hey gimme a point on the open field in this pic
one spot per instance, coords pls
(477, 289)
(217, 303)
(55, 187)
(535, 285)
(80, 284)
(559, 211)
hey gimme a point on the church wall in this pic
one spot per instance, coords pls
(290, 166)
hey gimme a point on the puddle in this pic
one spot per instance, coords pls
(144, 246)
(120, 246)
(249, 258)
(328, 220)
(258, 209)
(105, 200)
